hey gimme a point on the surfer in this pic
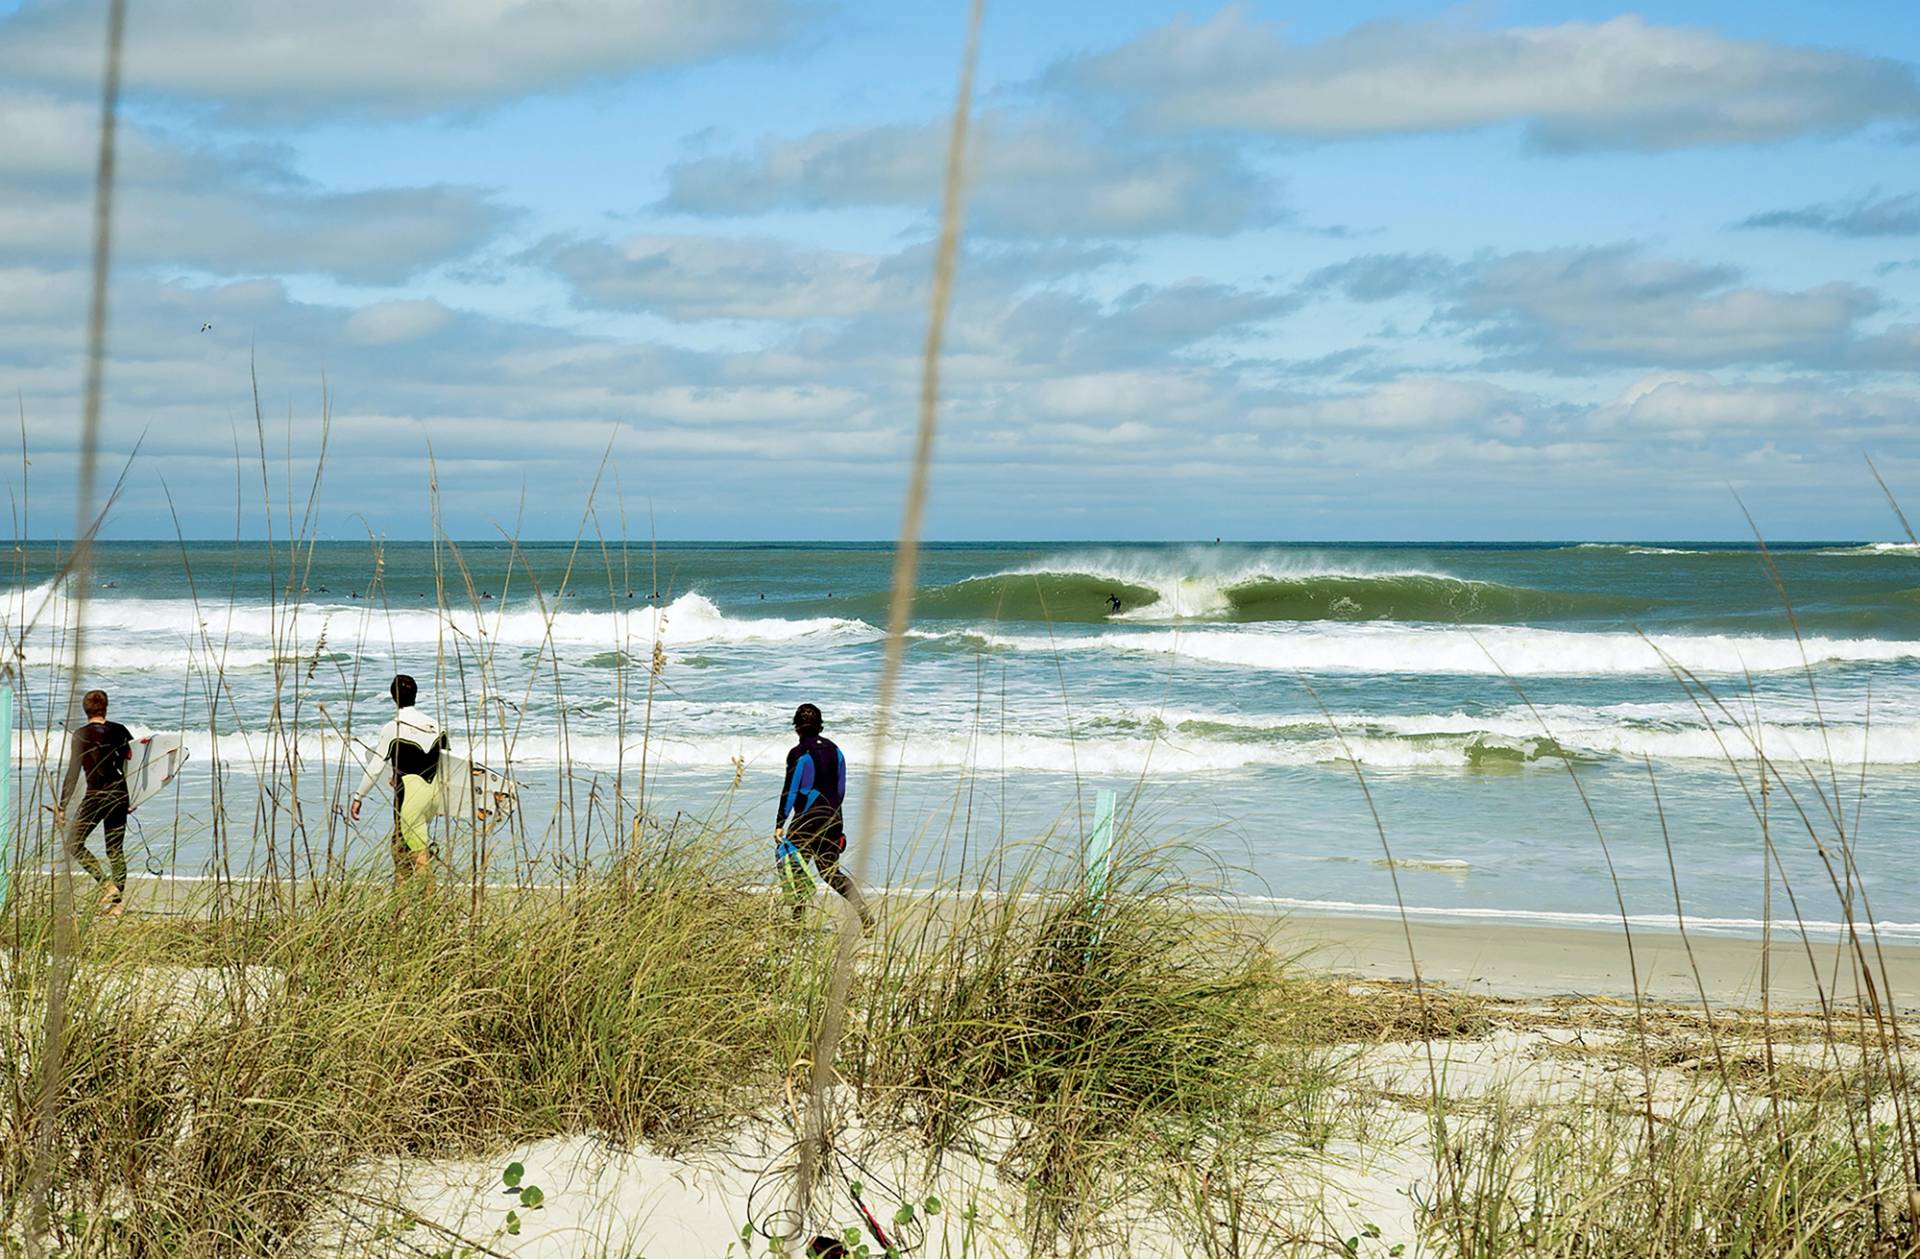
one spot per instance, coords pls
(100, 749)
(409, 748)
(1113, 603)
(808, 826)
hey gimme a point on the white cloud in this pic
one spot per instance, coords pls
(713, 277)
(1615, 304)
(1621, 83)
(1697, 406)
(267, 62)
(226, 211)
(1410, 404)
(1028, 176)
(388, 323)
(1873, 215)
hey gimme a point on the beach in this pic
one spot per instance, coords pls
(1522, 961)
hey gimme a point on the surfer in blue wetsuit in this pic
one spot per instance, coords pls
(808, 826)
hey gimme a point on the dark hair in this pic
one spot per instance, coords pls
(94, 703)
(806, 719)
(403, 690)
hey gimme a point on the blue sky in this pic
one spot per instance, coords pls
(1258, 270)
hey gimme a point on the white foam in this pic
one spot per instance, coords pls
(1875, 548)
(1433, 743)
(174, 625)
(1522, 651)
(1629, 548)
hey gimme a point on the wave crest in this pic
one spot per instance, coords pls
(1070, 591)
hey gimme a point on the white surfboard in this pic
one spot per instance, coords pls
(155, 761)
(473, 792)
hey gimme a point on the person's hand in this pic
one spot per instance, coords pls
(353, 810)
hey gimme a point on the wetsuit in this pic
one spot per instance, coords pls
(809, 817)
(408, 748)
(100, 750)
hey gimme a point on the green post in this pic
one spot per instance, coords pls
(6, 790)
(1100, 850)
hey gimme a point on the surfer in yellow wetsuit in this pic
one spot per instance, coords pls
(408, 749)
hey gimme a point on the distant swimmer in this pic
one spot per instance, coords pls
(353, 594)
(486, 594)
(1113, 603)
(109, 585)
(407, 750)
(808, 826)
(323, 590)
(101, 750)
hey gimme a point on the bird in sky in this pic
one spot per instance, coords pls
(206, 327)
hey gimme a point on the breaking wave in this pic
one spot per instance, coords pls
(1254, 593)
(1876, 548)
(168, 633)
(1529, 652)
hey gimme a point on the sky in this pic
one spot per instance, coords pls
(1261, 271)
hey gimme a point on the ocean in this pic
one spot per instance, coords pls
(1239, 700)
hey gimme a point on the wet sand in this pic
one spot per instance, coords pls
(1533, 961)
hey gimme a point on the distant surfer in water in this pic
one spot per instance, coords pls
(408, 749)
(101, 750)
(808, 827)
(1113, 603)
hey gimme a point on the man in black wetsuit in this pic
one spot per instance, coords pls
(809, 828)
(100, 749)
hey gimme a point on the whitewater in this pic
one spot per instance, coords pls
(1254, 702)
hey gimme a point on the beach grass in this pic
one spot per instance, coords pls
(223, 1074)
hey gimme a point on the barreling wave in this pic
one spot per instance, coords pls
(1256, 594)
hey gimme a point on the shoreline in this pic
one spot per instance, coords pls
(1495, 958)
(1530, 961)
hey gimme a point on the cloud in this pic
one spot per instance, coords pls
(1614, 304)
(1624, 83)
(388, 323)
(1575, 309)
(1872, 215)
(1409, 404)
(1379, 277)
(1028, 176)
(712, 277)
(269, 63)
(827, 305)
(222, 210)
(1695, 406)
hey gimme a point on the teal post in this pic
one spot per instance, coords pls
(1100, 851)
(6, 790)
